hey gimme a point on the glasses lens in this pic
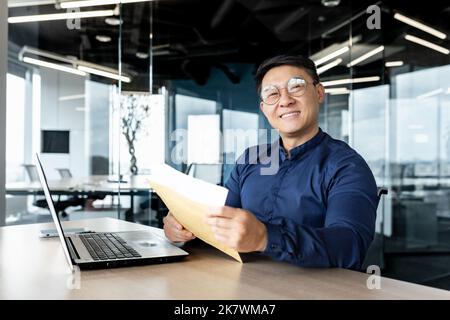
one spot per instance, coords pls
(270, 95)
(296, 86)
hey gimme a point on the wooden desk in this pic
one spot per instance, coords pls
(34, 268)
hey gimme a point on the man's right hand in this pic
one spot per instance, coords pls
(174, 231)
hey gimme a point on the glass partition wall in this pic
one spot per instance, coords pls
(62, 89)
(162, 81)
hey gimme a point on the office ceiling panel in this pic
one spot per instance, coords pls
(192, 36)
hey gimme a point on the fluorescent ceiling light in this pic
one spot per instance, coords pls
(102, 38)
(26, 3)
(332, 55)
(393, 63)
(113, 21)
(78, 65)
(347, 81)
(365, 56)
(72, 97)
(53, 66)
(335, 91)
(104, 74)
(427, 44)
(61, 16)
(91, 3)
(430, 93)
(142, 55)
(421, 26)
(326, 67)
(448, 90)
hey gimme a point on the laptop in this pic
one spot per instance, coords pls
(98, 250)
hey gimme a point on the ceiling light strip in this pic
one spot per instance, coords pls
(348, 81)
(365, 56)
(427, 44)
(61, 16)
(393, 63)
(54, 66)
(92, 3)
(326, 67)
(340, 90)
(419, 25)
(104, 73)
(72, 97)
(430, 93)
(332, 55)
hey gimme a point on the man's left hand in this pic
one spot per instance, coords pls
(237, 228)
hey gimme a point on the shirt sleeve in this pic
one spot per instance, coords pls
(349, 223)
(233, 186)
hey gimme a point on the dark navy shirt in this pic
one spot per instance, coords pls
(319, 205)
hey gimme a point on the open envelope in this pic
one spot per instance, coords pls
(188, 199)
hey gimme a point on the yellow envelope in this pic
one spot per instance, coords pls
(190, 214)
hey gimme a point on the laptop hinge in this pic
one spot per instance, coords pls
(72, 249)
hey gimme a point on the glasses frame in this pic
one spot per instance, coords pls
(314, 83)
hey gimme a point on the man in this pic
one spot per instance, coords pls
(319, 208)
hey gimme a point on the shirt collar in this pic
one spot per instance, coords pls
(301, 149)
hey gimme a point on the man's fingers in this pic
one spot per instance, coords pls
(224, 212)
(219, 222)
(221, 232)
(174, 231)
(170, 219)
(177, 235)
(222, 239)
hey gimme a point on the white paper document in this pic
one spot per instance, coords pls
(189, 199)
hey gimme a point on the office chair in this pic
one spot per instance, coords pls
(64, 173)
(375, 252)
(381, 191)
(76, 200)
(209, 172)
(60, 205)
(33, 177)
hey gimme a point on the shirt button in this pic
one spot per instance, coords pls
(273, 246)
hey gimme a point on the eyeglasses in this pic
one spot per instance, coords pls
(296, 87)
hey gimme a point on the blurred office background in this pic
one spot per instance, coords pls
(182, 71)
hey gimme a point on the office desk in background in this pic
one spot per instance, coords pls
(97, 185)
(34, 268)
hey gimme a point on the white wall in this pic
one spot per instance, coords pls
(58, 113)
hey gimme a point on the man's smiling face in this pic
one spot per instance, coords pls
(292, 116)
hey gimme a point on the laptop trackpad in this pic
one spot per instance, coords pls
(146, 244)
(149, 244)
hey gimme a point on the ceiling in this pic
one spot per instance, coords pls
(190, 37)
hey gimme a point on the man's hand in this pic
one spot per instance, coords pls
(174, 231)
(237, 228)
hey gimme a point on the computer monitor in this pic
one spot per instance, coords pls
(55, 141)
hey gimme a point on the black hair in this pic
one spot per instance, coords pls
(285, 60)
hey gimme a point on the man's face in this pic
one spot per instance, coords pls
(291, 115)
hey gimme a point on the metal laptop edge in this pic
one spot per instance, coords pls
(152, 247)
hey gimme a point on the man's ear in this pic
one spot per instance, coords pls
(261, 106)
(320, 92)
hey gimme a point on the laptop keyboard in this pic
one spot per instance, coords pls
(107, 246)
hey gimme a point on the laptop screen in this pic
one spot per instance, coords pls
(51, 207)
